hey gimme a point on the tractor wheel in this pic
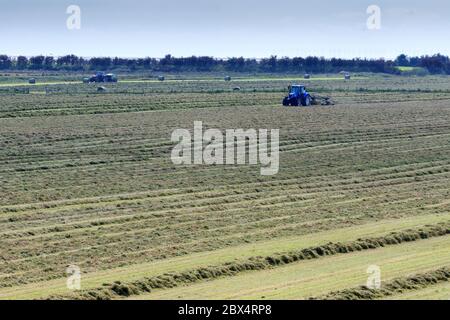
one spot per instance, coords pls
(295, 102)
(286, 102)
(307, 101)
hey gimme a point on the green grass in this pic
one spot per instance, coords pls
(434, 292)
(193, 261)
(316, 277)
(413, 70)
(406, 68)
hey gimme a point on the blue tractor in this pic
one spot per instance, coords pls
(298, 96)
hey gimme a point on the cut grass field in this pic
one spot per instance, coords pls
(174, 81)
(412, 283)
(87, 178)
(315, 277)
(435, 292)
(221, 256)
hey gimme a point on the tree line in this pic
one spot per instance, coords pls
(436, 64)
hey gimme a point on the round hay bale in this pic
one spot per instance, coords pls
(101, 89)
(237, 89)
(161, 78)
(227, 78)
(86, 80)
(307, 76)
(347, 76)
(32, 81)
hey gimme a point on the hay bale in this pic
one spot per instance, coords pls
(101, 89)
(227, 78)
(32, 81)
(86, 80)
(306, 76)
(161, 78)
(237, 89)
(347, 76)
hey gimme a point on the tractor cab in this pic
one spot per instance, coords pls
(296, 90)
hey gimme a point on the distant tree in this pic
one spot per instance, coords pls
(49, 63)
(402, 60)
(132, 64)
(415, 61)
(22, 63)
(166, 63)
(298, 64)
(312, 64)
(37, 62)
(436, 64)
(118, 62)
(268, 64)
(284, 65)
(205, 64)
(235, 64)
(69, 62)
(147, 63)
(5, 62)
(100, 63)
(339, 63)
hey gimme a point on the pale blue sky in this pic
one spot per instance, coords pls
(250, 28)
